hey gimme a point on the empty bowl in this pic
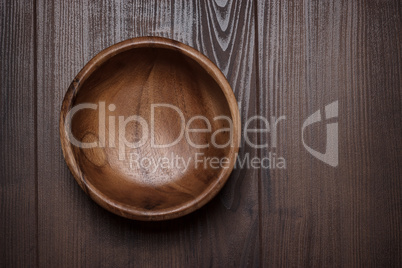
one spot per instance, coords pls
(150, 129)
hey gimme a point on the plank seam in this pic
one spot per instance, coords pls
(35, 82)
(257, 89)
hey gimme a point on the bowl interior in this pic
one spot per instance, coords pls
(133, 164)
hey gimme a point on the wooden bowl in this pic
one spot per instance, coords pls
(143, 125)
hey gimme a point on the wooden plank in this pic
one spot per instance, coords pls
(225, 32)
(17, 135)
(312, 53)
(73, 230)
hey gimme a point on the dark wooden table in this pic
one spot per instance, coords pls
(286, 58)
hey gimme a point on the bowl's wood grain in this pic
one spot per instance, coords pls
(131, 76)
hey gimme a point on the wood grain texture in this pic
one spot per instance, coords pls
(75, 231)
(312, 53)
(17, 136)
(281, 58)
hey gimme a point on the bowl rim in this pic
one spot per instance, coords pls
(122, 209)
